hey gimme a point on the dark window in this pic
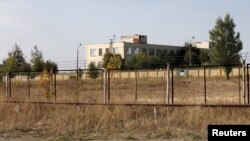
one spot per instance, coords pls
(171, 52)
(144, 50)
(158, 52)
(100, 52)
(151, 52)
(107, 50)
(165, 52)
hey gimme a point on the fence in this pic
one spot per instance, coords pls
(173, 85)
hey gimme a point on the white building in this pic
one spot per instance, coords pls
(127, 47)
(201, 45)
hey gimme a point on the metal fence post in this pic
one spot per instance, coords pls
(136, 73)
(29, 85)
(108, 86)
(54, 84)
(239, 85)
(167, 85)
(51, 84)
(104, 86)
(77, 84)
(172, 85)
(244, 83)
(205, 86)
(7, 86)
(247, 85)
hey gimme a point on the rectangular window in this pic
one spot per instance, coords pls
(158, 52)
(171, 52)
(107, 50)
(165, 52)
(129, 50)
(144, 50)
(100, 52)
(116, 50)
(136, 50)
(92, 52)
(151, 52)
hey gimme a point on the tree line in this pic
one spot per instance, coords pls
(16, 61)
(224, 49)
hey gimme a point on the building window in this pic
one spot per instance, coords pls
(129, 50)
(171, 52)
(116, 50)
(136, 50)
(92, 52)
(107, 50)
(100, 52)
(165, 52)
(158, 52)
(144, 50)
(93, 63)
(151, 52)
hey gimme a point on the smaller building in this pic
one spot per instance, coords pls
(201, 45)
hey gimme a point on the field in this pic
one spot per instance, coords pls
(59, 122)
(147, 90)
(82, 122)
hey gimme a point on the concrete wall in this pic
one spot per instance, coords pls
(194, 73)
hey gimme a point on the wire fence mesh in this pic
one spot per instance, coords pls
(190, 85)
(221, 90)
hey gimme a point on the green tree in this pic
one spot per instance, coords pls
(195, 54)
(140, 60)
(112, 61)
(93, 71)
(204, 58)
(16, 61)
(48, 65)
(225, 44)
(137, 61)
(37, 60)
(166, 57)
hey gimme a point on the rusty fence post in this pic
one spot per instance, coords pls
(239, 84)
(29, 85)
(108, 86)
(247, 84)
(205, 86)
(54, 84)
(7, 86)
(172, 85)
(105, 86)
(136, 75)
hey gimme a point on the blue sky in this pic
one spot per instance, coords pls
(58, 26)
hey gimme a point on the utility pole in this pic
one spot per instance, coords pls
(77, 72)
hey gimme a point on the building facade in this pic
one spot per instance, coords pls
(127, 47)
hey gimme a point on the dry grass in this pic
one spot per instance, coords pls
(128, 123)
(96, 122)
(149, 90)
